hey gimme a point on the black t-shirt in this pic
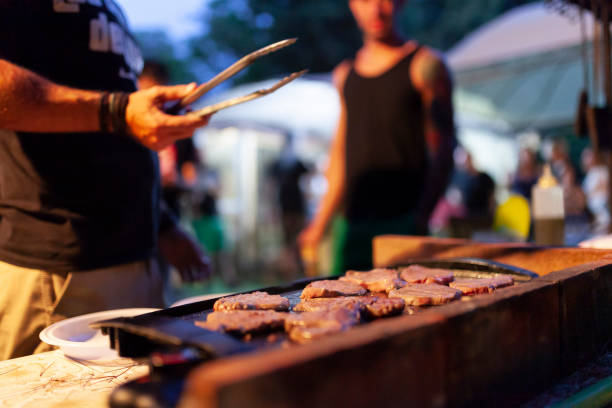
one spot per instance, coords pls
(74, 201)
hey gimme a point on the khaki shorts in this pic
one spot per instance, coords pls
(31, 299)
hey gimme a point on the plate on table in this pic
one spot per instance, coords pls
(599, 242)
(199, 298)
(77, 340)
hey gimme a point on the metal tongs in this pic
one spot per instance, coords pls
(238, 66)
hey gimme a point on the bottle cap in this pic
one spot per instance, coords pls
(547, 179)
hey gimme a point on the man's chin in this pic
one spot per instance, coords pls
(379, 35)
(378, 31)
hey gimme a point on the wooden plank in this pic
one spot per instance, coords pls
(585, 301)
(393, 249)
(502, 347)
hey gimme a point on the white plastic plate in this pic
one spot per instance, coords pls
(77, 340)
(199, 298)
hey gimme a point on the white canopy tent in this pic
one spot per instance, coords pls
(524, 68)
(521, 72)
(528, 30)
(306, 106)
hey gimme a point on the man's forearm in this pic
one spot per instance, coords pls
(329, 206)
(168, 219)
(31, 103)
(437, 178)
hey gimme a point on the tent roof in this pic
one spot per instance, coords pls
(531, 92)
(525, 30)
(524, 68)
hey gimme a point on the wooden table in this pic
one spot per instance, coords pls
(54, 380)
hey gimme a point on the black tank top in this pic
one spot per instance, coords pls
(386, 155)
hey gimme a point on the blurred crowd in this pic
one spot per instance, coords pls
(473, 200)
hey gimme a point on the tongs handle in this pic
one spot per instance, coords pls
(232, 70)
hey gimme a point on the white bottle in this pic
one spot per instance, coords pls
(547, 210)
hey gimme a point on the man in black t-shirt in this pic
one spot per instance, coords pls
(80, 213)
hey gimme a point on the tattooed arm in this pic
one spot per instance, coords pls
(432, 78)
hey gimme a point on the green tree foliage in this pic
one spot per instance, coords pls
(325, 28)
(156, 45)
(442, 23)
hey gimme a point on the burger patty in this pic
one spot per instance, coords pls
(319, 304)
(376, 306)
(420, 294)
(306, 326)
(250, 301)
(244, 322)
(371, 306)
(420, 274)
(332, 288)
(376, 280)
(475, 286)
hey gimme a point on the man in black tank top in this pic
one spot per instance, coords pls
(391, 156)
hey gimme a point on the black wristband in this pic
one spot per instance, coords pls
(104, 113)
(121, 108)
(113, 107)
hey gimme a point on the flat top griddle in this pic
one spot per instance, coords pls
(174, 328)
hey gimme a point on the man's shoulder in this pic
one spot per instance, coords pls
(340, 73)
(428, 67)
(427, 57)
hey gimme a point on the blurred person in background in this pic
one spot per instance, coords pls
(577, 216)
(596, 189)
(560, 161)
(80, 212)
(469, 202)
(566, 174)
(206, 221)
(574, 199)
(286, 174)
(527, 173)
(391, 156)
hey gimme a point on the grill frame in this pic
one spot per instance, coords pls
(173, 327)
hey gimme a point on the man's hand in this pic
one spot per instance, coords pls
(311, 236)
(151, 126)
(185, 254)
(25, 95)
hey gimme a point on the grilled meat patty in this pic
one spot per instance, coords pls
(255, 300)
(475, 286)
(318, 304)
(376, 280)
(331, 288)
(420, 274)
(371, 306)
(306, 326)
(377, 306)
(244, 322)
(419, 294)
